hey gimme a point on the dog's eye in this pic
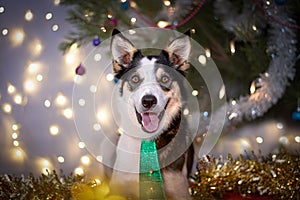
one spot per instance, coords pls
(135, 79)
(164, 79)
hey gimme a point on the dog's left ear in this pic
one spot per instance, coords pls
(179, 50)
(122, 51)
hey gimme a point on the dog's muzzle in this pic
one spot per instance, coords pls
(149, 120)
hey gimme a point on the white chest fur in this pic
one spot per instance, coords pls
(125, 178)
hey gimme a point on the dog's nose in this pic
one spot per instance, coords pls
(149, 101)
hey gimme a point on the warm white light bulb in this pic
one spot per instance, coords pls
(28, 15)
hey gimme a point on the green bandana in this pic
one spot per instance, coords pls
(151, 183)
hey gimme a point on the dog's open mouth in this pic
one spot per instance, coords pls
(149, 120)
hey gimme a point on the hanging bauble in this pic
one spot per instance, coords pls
(96, 41)
(116, 80)
(125, 5)
(110, 24)
(80, 70)
(113, 22)
(296, 115)
(280, 2)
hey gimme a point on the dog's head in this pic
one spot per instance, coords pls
(151, 85)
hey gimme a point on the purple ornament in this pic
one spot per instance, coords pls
(113, 22)
(80, 70)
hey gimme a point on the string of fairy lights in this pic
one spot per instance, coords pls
(36, 76)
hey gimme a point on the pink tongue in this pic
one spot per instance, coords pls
(150, 121)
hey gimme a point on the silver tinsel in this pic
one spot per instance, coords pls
(270, 86)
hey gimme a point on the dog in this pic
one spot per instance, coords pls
(151, 97)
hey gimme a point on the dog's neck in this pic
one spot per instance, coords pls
(166, 137)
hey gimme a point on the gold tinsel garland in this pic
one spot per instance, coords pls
(275, 176)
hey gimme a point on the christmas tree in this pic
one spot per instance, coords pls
(240, 36)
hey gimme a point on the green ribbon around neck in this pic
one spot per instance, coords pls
(151, 183)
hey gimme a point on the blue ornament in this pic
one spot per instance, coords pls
(96, 41)
(116, 80)
(280, 2)
(125, 5)
(296, 115)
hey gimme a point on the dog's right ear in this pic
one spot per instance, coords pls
(122, 51)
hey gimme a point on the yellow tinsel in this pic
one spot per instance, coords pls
(276, 176)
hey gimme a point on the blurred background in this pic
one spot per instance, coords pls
(43, 43)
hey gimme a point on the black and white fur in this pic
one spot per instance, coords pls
(151, 93)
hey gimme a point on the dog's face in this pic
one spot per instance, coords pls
(151, 86)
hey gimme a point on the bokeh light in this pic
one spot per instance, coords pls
(36, 47)
(279, 125)
(10, 88)
(195, 93)
(29, 86)
(55, 28)
(167, 3)
(45, 165)
(33, 67)
(60, 159)
(15, 127)
(54, 129)
(97, 127)
(297, 139)
(18, 154)
(39, 77)
(202, 59)
(93, 88)
(81, 145)
(18, 99)
(101, 116)
(79, 171)
(16, 143)
(4, 31)
(14, 135)
(109, 77)
(99, 158)
(60, 99)
(68, 113)
(6, 107)
(47, 103)
(85, 160)
(56, 2)
(259, 140)
(28, 15)
(162, 24)
(48, 16)
(17, 37)
(2, 9)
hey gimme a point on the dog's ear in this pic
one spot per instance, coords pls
(179, 50)
(122, 51)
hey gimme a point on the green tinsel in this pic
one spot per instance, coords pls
(276, 176)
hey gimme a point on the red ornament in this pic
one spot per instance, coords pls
(80, 70)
